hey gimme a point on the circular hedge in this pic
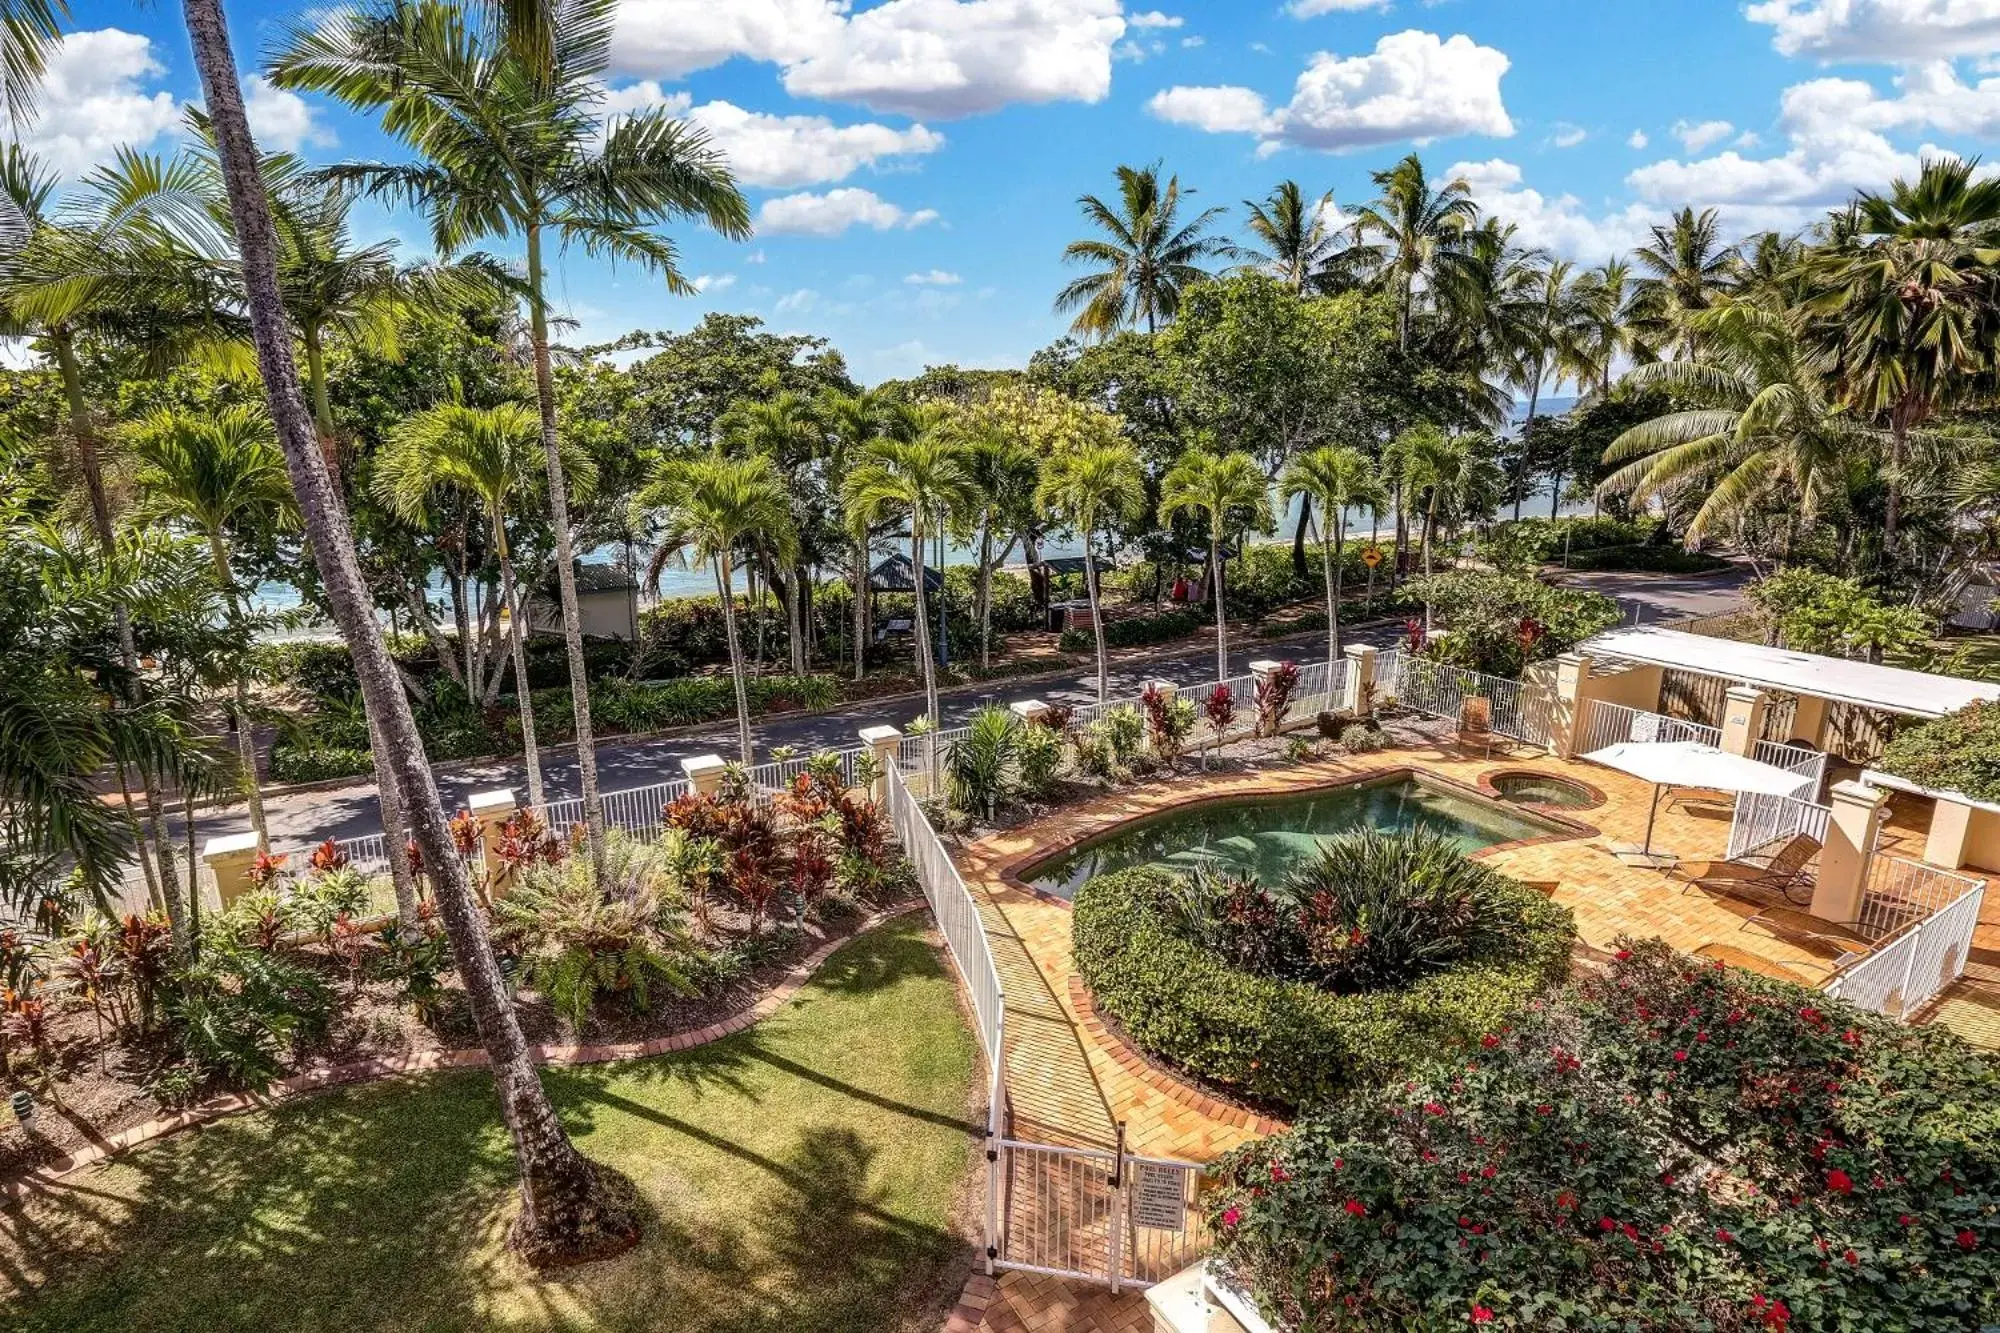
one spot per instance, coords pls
(1284, 1043)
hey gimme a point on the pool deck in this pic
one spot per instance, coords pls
(1074, 1082)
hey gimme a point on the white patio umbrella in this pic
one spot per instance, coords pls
(1668, 764)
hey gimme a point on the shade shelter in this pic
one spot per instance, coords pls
(1670, 764)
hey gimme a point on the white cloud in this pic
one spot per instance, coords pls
(1306, 9)
(1560, 224)
(714, 282)
(1190, 43)
(1136, 51)
(1415, 85)
(936, 277)
(1695, 136)
(1222, 109)
(280, 120)
(796, 302)
(1567, 135)
(780, 151)
(1891, 31)
(93, 101)
(1153, 18)
(1637, 139)
(939, 58)
(832, 213)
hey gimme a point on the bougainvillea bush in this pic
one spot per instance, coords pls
(1669, 1145)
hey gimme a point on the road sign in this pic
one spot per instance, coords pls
(1371, 556)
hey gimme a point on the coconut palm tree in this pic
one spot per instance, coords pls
(567, 1214)
(924, 480)
(1601, 333)
(713, 504)
(1093, 480)
(1555, 323)
(1292, 239)
(1233, 493)
(1338, 478)
(220, 474)
(506, 147)
(492, 454)
(1446, 470)
(1685, 269)
(1417, 222)
(851, 422)
(1146, 259)
(1913, 304)
(1004, 472)
(785, 429)
(1767, 425)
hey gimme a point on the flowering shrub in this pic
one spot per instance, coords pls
(1668, 1145)
(1274, 695)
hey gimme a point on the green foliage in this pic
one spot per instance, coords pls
(983, 766)
(1518, 545)
(236, 1014)
(1039, 754)
(655, 705)
(1360, 739)
(1134, 631)
(317, 901)
(1957, 752)
(1649, 560)
(1818, 613)
(1282, 1041)
(1499, 623)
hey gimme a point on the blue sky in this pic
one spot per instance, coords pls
(914, 164)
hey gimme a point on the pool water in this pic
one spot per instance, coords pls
(1538, 789)
(1267, 838)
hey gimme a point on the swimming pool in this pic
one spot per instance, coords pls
(1268, 836)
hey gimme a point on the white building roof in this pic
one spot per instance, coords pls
(1892, 689)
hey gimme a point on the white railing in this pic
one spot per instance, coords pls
(1909, 970)
(1763, 824)
(1901, 892)
(1096, 1214)
(1521, 710)
(1608, 724)
(1808, 764)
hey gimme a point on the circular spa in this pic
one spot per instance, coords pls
(1528, 788)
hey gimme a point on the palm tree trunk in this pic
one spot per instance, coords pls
(1215, 596)
(1430, 540)
(986, 593)
(859, 610)
(558, 497)
(1892, 509)
(1331, 544)
(395, 834)
(316, 377)
(722, 563)
(1299, 535)
(795, 619)
(1402, 539)
(1096, 619)
(566, 1214)
(923, 628)
(517, 633)
(246, 739)
(1374, 527)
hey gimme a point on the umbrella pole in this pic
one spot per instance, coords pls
(1652, 814)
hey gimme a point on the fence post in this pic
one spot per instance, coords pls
(886, 744)
(1358, 690)
(1028, 711)
(230, 857)
(704, 773)
(1113, 1248)
(1570, 718)
(1743, 719)
(1848, 852)
(492, 809)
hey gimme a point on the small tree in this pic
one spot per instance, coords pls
(1274, 695)
(1221, 711)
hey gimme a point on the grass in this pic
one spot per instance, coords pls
(799, 1176)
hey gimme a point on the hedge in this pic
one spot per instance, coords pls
(628, 706)
(1287, 1044)
(1647, 560)
(1136, 631)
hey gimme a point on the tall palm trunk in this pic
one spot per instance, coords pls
(722, 563)
(246, 739)
(923, 628)
(1096, 619)
(986, 591)
(1374, 539)
(1215, 596)
(1402, 538)
(395, 834)
(1892, 508)
(517, 633)
(1527, 427)
(1331, 544)
(316, 377)
(1430, 540)
(572, 618)
(566, 1212)
(859, 609)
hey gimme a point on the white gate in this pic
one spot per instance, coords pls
(1093, 1214)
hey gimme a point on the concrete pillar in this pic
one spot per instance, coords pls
(1809, 721)
(886, 744)
(491, 809)
(1262, 670)
(704, 773)
(1026, 711)
(1572, 706)
(1358, 690)
(1951, 829)
(1743, 719)
(230, 858)
(1858, 810)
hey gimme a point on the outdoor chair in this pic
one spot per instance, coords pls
(1784, 871)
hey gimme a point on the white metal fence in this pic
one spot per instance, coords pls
(1809, 764)
(1608, 724)
(1901, 893)
(1097, 1214)
(1522, 710)
(1911, 968)
(1763, 824)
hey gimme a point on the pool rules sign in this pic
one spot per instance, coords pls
(1158, 1200)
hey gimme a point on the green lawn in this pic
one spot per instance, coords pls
(800, 1176)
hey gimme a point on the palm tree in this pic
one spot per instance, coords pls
(1235, 495)
(567, 1213)
(221, 475)
(785, 429)
(1004, 473)
(1767, 426)
(1085, 484)
(1446, 470)
(1292, 241)
(492, 454)
(1417, 223)
(922, 479)
(1147, 259)
(1601, 333)
(1555, 326)
(714, 504)
(1339, 478)
(507, 147)
(852, 421)
(1914, 304)
(1685, 270)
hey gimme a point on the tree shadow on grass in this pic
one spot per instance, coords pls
(880, 959)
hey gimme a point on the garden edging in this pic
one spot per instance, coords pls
(374, 1070)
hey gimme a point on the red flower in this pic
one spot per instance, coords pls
(1623, 955)
(1231, 1216)
(1812, 1016)
(1839, 1182)
(1680, 1057)
(1433, 1108)
(1967, 1241)
(1481, 1315)
(1606, 1224)
(1355, 1208)
(1722, 1235)
(1904, 1219)
(1278, 1172)
(1487, 1172)
(1850, 1256)
(1774, 1314)
(1489, 1041)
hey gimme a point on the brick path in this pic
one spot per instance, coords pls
(1073, 1082)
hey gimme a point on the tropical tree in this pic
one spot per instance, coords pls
(1912, 306)
(851, 422)
(492, 455)
(785, 429)
(1231, 491)
(923, 479)
(1764, 426)
(567, 1213)
(1683, 271)
(1599, 335)
(1555, 323)
(1417, 222)
(510, 147)
(1093, 478)
(1339, 478)
(1003, 471)
(1145, 260)
(713, 504)
(220, 474)
(1293, 240)
(1446, 470)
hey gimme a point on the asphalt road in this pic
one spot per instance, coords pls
(301, 818)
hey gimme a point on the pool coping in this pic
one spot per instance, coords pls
(1489, 786)
(1115, 814)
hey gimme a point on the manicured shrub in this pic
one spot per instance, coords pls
(294, 763)
(236, 1013)
(1361, 738)
(983, 766)
(1957, 752)
(1501, 622)
(1136, 631)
